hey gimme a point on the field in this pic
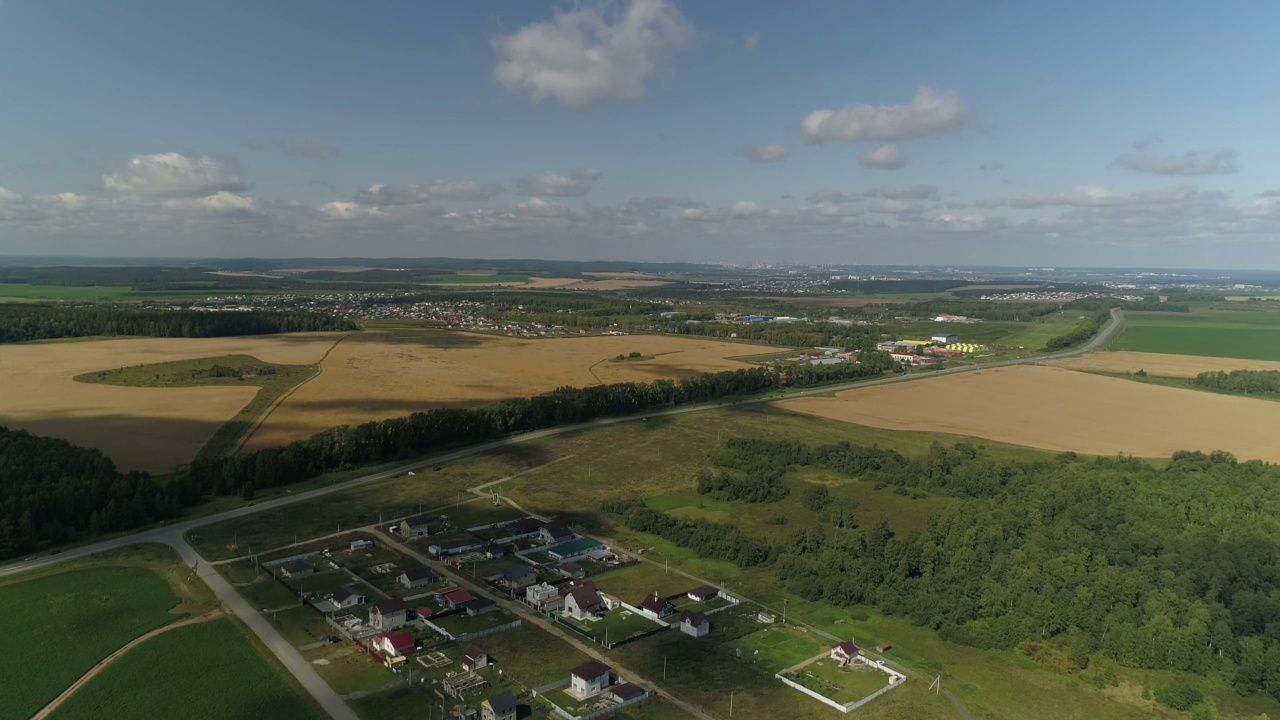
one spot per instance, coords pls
(1056, 409)
(1160, 364)
(841, 684)
(66, 619)
(380, 374)
(79, 293)
(143, 428)
(213, 671)
(1245, 334)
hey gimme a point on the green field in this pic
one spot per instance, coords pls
(467, 279)
(1035, 336)
(210, 671)
(273, 379)
(62, 292)
(841, 684)
(1244, 334)
(776, 648)
(58, 626)
(617, 626)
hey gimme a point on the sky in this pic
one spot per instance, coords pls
(990, 133)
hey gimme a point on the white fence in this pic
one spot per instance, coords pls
(895, 679)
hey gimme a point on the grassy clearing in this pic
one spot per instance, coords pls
(632, 584)
(462, 623)
(348, 669)
(1248, 334)
(531, 655)
(273, 379)
(775, 648)
(215, 672)
(64, 621)
(1036, 336)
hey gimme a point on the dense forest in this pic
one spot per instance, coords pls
(1174, 567)
(25, 322)
(1240, 382)
(54, 492)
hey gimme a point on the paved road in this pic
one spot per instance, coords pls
(172, 534)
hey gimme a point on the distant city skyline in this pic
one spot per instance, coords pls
(916, 133)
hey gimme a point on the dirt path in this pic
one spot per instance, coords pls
(104, 662)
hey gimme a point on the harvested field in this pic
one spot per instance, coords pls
(1160, 364)
(624, 275)
(380, 374)
(1057, 409)
(836, 302)
(140, 428)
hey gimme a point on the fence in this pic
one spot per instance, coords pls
(895, 679)
(372, 653)
(462, 637)
(816, 696)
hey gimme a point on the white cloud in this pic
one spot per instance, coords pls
(885, 157)
(342, 210)
(539, 208)
(962, 223)
(68, 201)
(751, 43)
(7, 195)
(915, 192)
(1222, 162)
(833, 196)
(459, 190)
(741, 210)
(1095, 196)
(593, 52)
(770, 153)
(313, 149)
(553, 185)
(896, 207)
(928, 114)
(174, 175)
(217, 202)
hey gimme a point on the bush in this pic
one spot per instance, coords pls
(1179, 696)
(816, 497)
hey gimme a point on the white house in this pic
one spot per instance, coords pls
(543, 596)
(389, 614)
(590, 679)
(845, 653)
(394, 644)
(583, 602)
(694, 624)
(416, 577)
(346, 597)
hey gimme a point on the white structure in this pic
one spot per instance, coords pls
(590, 679)
(694, 624)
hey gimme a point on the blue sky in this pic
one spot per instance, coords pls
(911, 132)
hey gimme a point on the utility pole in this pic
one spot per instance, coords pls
(664, 668)
(784, 610)
(730, 703)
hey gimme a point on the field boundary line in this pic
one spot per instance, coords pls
(257, 424)
(104, 662)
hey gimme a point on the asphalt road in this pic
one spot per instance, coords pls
(172, 534)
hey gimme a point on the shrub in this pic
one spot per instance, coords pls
(1179, 695)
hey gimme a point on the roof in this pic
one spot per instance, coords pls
(848, 648)
(590, 670)
(627, 691)
(400, 640)
(296, 565)
(417, 520)
(480, 602)
(517, 572)
(575, 546)
(705, 591)
(503, 702)
(557, 529)
(695, 619)
(524, 525)
(343, 593)
(473, 653)
(579, 583)
(457, 596)
(424, 612)
(569, 566)
(520, 545)
(419, 573)
(382, 607)
(493, 548)
(654, 603)
(585, 597)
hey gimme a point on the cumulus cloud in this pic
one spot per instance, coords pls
(7, 195)
(961, 223)
(894, 206)
(313, 149)
(222, 201)
(593, 52)
(1086, 196)
(68, 201)
(751, 43)
(539, 208)
(1141, 159)
(929, 113)
(741, 210)
(770, 153)
(554, 185)
(343, 210)
(458, 190)
(915, 192)
(833, 196)
(885, 157)
(174, 175)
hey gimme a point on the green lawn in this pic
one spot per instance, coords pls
(273, 379)
(531, 655)
(210, 671)
(616, 626)
(56, 627)
(463, 623)
(841, 684)
(1245, 334)
(774, 648)
(633, 583)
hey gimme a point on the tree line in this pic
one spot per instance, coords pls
(26, 322)
(1240, 382)
(1174, 567)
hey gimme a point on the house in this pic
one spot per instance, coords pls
(623, 693)
(360, 544)
(590, 679)
(543, 596)
(524, 527)
(657, 607)
(474, 659)
(574, 549)
(416, 577)
(499, 707)
(495, 551)
(345, 597)
(455, 546)
(455, 597)
(388, 614)
(522, 545)
(583, 602)
(424, 611)
(694, 624)
(297, 568)
(394, 644)
(704, 593)
(944, 338)
(519, 576)
(569, 569)
(415, 527)
(555, 532)
(480, 606)
(845, 653)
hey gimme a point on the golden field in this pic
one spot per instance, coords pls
(1058, 409)
(149, 429)
(1159, 363)
(380, 374)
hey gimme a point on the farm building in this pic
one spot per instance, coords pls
(346, 597)
(388, 614)
(455, 546)
(574, 549)
(495, 551)
(589, 679)
(944, 338)
(499, 707)
(416, 577)
(569, 569)
(480, 606)
(555, 532)
(415, 527)
(454, 598)
(703, 593)
(624, 693)
(524, 527)
(694, 624)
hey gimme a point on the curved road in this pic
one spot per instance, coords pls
(172, 534)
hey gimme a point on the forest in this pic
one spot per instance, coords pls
(25, 322)
(1240, 382)
(1174, 567)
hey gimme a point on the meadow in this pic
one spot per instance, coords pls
(78, 293)
(1249, 334)
(65, 620)
(212, 670)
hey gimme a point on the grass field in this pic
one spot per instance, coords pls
(632, 584)
(617, 626)
(78, 293)
(1247, 334)
(144, 428)
(212, 671)
(1037, 335)
(462, 279)
(64, 620)
(841, 684)
(272, 379)
(776, 648)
